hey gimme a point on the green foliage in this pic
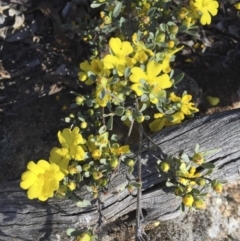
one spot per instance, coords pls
(189, 176)
(132, 81)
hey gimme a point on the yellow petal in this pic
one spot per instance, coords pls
(163, 81)
(43, 164)
(77, 153)
(157, 124)
(153, 69)
(115, 45)
(126, 48)
(28, 179)
(137, 89)
(137, 74)
(34, 168)
(110, 61)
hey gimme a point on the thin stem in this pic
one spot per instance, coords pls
(139, 177)
(129, 131)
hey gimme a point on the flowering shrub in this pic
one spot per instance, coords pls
(190, 184)
(132, 81)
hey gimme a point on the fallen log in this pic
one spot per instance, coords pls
(24, 219)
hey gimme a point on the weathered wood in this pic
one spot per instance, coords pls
(23, 219)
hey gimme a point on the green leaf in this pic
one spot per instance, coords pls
(110, 123)
(136, 184)
(178, 78)
(80, 116)
(113, 81)
(144, 98)
(92, 76)
(182, 28)
(74, 105)
(86, 174)
(119, 111)
(103, 161)
(117, 9)
(127, 72)
(197, 148)
(102, 94)
(151, 12)
(102, 129)
(144, 107)
(185, 157)
(114, 137)
(195, 191)
(208, 172)
(121, 23)
(169, 184)
(182, 207)
(123, 118)
(96, 5)
(84, 203)
(69, 231)
(203, 194)
(213, 151)
(208, 165)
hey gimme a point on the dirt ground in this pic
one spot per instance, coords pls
(35, 81)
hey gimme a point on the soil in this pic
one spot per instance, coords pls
(33, 101)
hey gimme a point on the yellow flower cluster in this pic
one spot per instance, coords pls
(42, 179)
(202, 9)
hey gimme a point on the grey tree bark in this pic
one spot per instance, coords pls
(23, 219)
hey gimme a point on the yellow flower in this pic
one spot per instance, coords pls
(83, 75)
(207, 8)
(188, 200)
(103, 92)
(142, 52)
(119, 58)
(186, 106)
(159, 123)
(119, 150)
(96, 67)
(96, 154)
(41, 179)
(167, 58)
(237, 6)
(71, 142)
(150, 76)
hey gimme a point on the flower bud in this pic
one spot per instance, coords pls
(102, 182)
(80, 99)
(114, 163)
(173, 29)
(84, 125)
(178, 191)
(72, 186)
(140, 119)
(96, 175)
(96, 154)
(201, 181)
(160, 38)
(130, 162)
(84, 237)
(198, 158)
(164, 166)
(170, 44)
(188, 200)
(217, 187)
(188, 189)
(86, 167)
(199, 204)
